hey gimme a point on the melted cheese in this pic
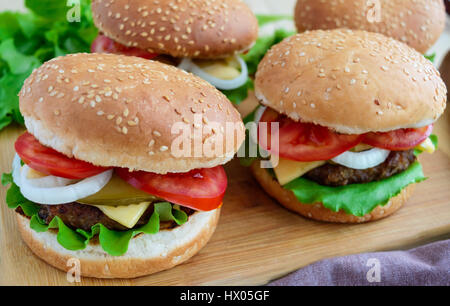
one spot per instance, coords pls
(288, 170)
(427, 146)
(126, 215)
(33, 174)
(225, 69)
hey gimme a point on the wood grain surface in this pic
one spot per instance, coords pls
(256, 240)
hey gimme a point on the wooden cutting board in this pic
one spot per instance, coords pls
(256, 240)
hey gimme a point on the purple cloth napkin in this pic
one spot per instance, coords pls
(425, 265)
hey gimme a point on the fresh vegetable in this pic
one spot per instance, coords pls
(55, 195)
(29, 39)
(114, 243)
(189, 65)
(257, 52)
(199, 189)
(398, 140)
(355, 199)
(51, 162)
(119, 193)
(362, 160)
(103, 44)
(304, 141)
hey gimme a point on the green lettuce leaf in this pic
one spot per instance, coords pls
(256, 53)
(239, 94)
(264, 19)
(113, 242)
(29, 39)
(355, 199)
(431, 57)
(264, 43)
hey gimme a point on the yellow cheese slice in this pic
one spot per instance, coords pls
(288, 170)
(33, 174)
(224, 69)
(427, 146)
(126, 215)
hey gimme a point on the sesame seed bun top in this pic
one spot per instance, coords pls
(180, 28)
(352, 81)
(119, 111)
(418, 23)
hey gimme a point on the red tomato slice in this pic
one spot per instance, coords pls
(305, 142)
(51, 162)
(199, 189)
(398, 140)
(103, 44)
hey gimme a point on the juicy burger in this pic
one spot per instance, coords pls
(95, 176)
(201, 36)
(417, 23)
(346, 112)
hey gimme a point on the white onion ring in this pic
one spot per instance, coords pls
(60, 194)
(46, 181)
(16, 170)
(258, 114)
(188, 65)
(362, 160)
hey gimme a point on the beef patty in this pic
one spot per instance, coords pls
(82, 216)
(337, 175)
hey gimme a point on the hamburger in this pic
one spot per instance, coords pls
(417, 23)
(344, 114)
(205, 37)
(96, 176)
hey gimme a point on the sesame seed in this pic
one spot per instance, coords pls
(352, 81)
(163, 148)
(157, 134)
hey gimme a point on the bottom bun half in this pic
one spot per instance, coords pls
(317, 211)
(146, 254)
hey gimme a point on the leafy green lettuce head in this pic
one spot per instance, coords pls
(29, 39)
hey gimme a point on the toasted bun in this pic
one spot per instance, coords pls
(187, 28)
(317, 211)
(351, 81)
(146, 254)
(118, 111)
(417, 23)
